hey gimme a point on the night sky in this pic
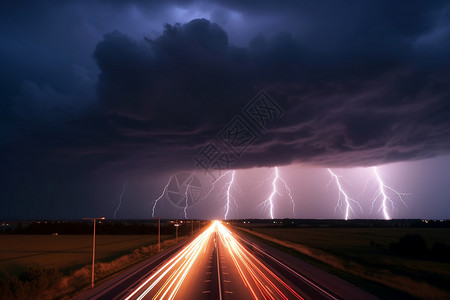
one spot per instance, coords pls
(102, 102)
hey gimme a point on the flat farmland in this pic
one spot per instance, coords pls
(365, 255)
(354, 239)
(64, 252)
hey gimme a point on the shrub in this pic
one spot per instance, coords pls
(32, 284)
(411, 245)
(440, 251)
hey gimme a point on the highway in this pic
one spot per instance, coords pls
(217, 264)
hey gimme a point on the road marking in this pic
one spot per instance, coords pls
(218, 268)
(289, 269)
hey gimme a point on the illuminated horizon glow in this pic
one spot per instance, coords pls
(270, 201)
(347, 199)
(382, 187)
(120, 198)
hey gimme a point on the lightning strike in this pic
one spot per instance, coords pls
(347, 199)
(120, 198)
(269, 202)
(288, 190)
(382, 193)
(229, 184)
(213, 184)
(162, 195)
(186, 194)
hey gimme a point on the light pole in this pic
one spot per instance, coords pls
(176, 231)
(93, 248)
(159, 235)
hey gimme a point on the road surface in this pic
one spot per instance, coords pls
(220, 264)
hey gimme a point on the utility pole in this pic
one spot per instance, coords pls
(176, 230)
(192, 227)
(93, 248)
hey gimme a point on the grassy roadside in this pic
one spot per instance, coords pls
(368, 267)
(50, 283)
(66, 253)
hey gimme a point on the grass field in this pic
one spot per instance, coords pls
(364, 254)
(64, 252)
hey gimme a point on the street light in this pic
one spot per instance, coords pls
(93, 248)
(159, 235)
(176, 231)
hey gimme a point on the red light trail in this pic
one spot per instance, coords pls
(259, 280)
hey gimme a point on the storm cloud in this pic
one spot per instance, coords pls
(370, 106)
(110, 88)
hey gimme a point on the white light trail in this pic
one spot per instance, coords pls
(167, 279)
(162, 195)
(257, 277)
(347, 199)
(177, 268)
(383, 193)
(120, 198)
(269, 202)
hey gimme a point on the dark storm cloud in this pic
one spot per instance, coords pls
(105, 85)
(363, 95)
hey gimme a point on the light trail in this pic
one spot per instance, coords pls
(162, 195)
(269, 202)
(120, 198)
(186, 258)
(347, 199)
(382, 192)
(254, 274)
(260, 281)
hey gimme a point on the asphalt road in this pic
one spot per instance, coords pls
(221, 264)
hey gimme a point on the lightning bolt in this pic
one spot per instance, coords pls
(162, 195)
(229, 196)
(382, 192)
(288, 190)
(269, 202)
(213, 184)
(120, 198)
(347, 199)
(186, 194)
